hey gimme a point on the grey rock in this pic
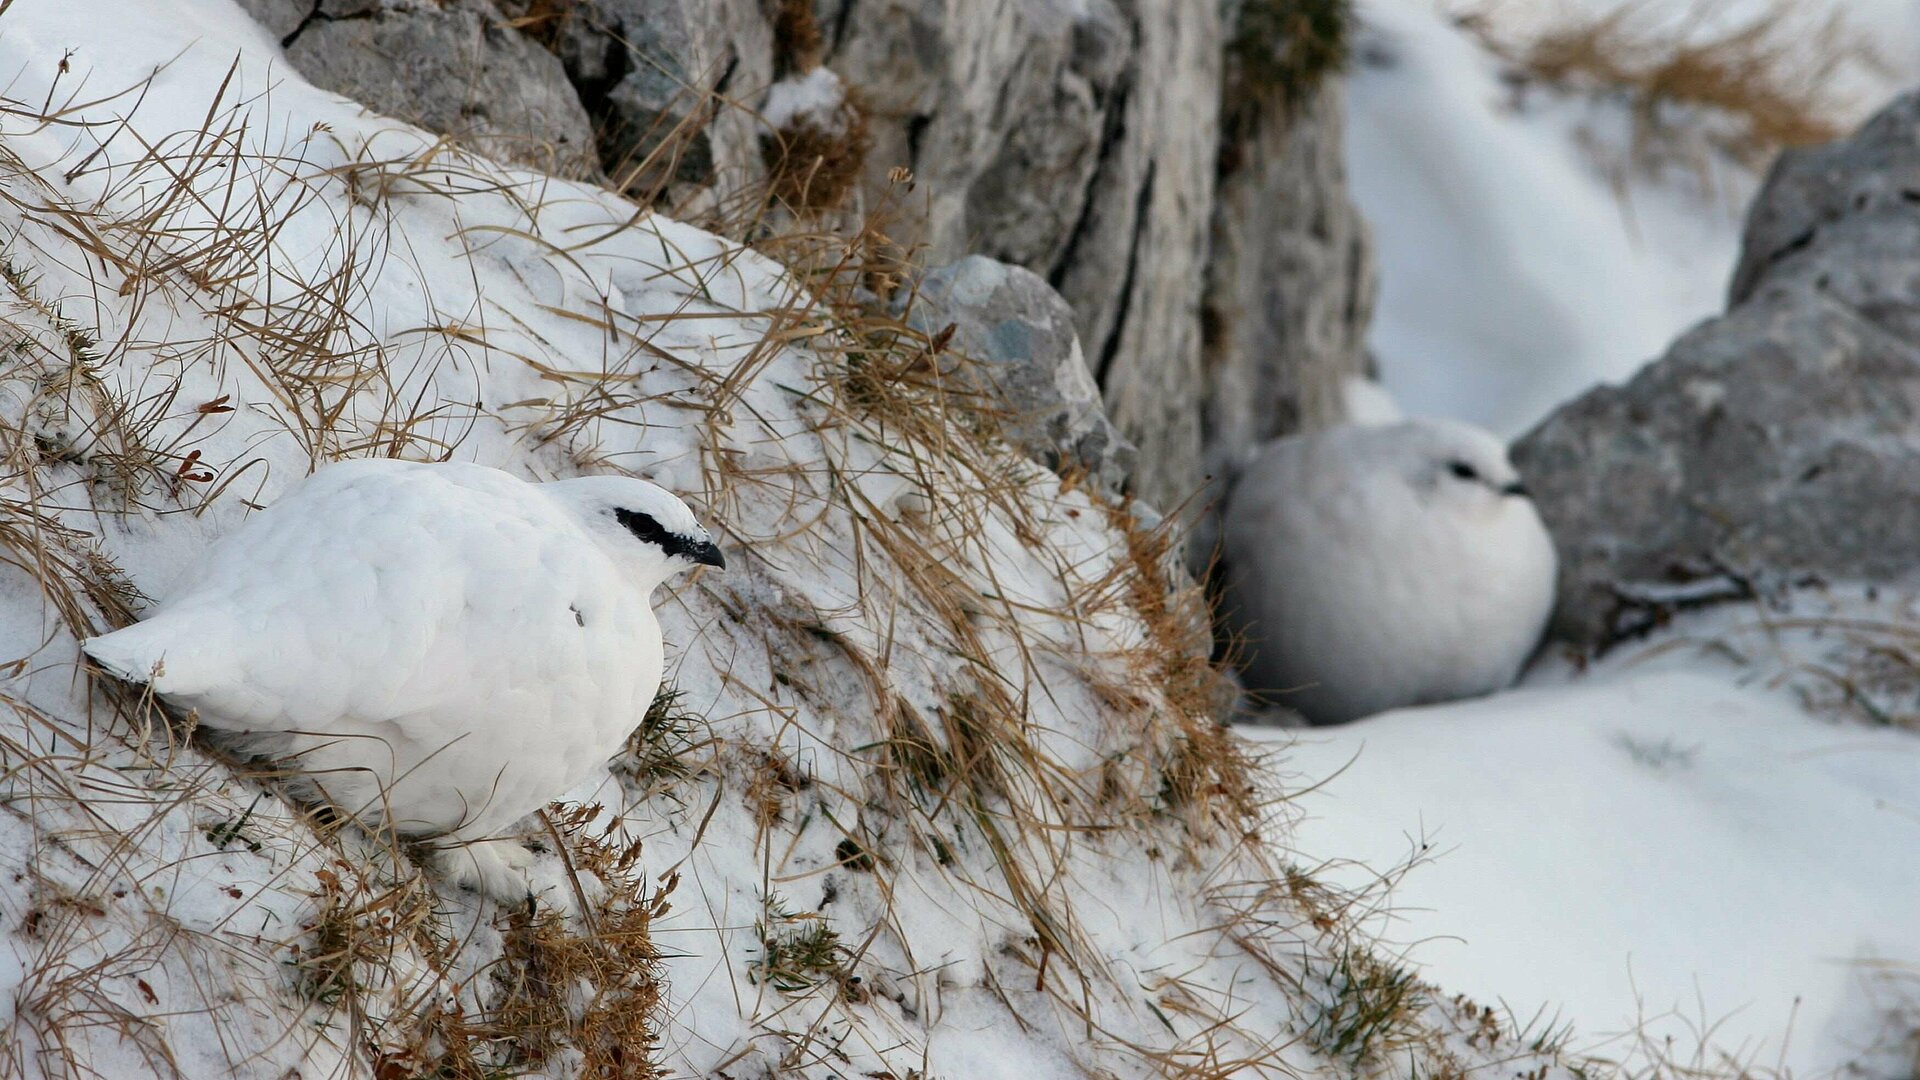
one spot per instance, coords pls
(1134, 268)
(1292, 280)
(1777, 441)
(656, 76)
(455, 68)
(1878, 168)
(1072, 138)
(1016, 343)
(279, 17)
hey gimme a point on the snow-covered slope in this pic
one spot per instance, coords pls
(936, 792)
(1669, 844)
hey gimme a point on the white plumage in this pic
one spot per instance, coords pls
(1372, 567)
(441, 648)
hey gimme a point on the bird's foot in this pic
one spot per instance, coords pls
(505, 871)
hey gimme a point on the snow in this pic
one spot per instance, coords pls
(1669, 843)
(815, 98)
(1521, 261)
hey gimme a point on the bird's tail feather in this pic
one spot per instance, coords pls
(128, 654)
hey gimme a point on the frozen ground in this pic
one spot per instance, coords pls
(1519, 263)
(1693, 838)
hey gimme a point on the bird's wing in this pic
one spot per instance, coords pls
(364, 593)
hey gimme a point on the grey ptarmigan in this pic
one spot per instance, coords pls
(439, 648)
(1369, 567)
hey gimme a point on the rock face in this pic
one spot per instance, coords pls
(1781, 439)
(1018, 338)
(281, 18)
(1079, 139)
(1291, 284)
(455, 67)
(1076, 140)
(656, 75)
(1875, 172)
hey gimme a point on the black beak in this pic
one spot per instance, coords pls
(1516, 488)
(706, 554)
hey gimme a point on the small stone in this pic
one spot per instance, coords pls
(1019, 335)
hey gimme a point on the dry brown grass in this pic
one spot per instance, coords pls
(1749, 88)
(797, 41)
(593, 989)
(814, 165)
(589, 989)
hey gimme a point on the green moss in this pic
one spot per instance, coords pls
(1372, 1006)
(797, 952)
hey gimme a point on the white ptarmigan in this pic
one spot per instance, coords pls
(440, 648)
(1369, 567)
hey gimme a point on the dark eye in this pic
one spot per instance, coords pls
(1463, 470)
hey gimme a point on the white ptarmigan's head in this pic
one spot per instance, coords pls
(1374, 567)
(639, 521)
(439, 649)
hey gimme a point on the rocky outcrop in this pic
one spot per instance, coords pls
(1076, 140)
(1874, 173)
(1079, 139)
(280, 18)
(1778, 441)
(1013, 340)
(455, 67)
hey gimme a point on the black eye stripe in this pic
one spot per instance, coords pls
(653, 532)
(644, 527)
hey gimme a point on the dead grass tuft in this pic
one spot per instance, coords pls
(668, 747)
(1373, 1009)
(814, 163)
(588, 991)
(772, 779)
(593, 990)
(359, 935)
(1281, 50)
(1747, 90)
(542, 20)
(797, 41)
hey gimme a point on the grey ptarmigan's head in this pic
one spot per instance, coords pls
(1369, 567)
(1455, 467)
